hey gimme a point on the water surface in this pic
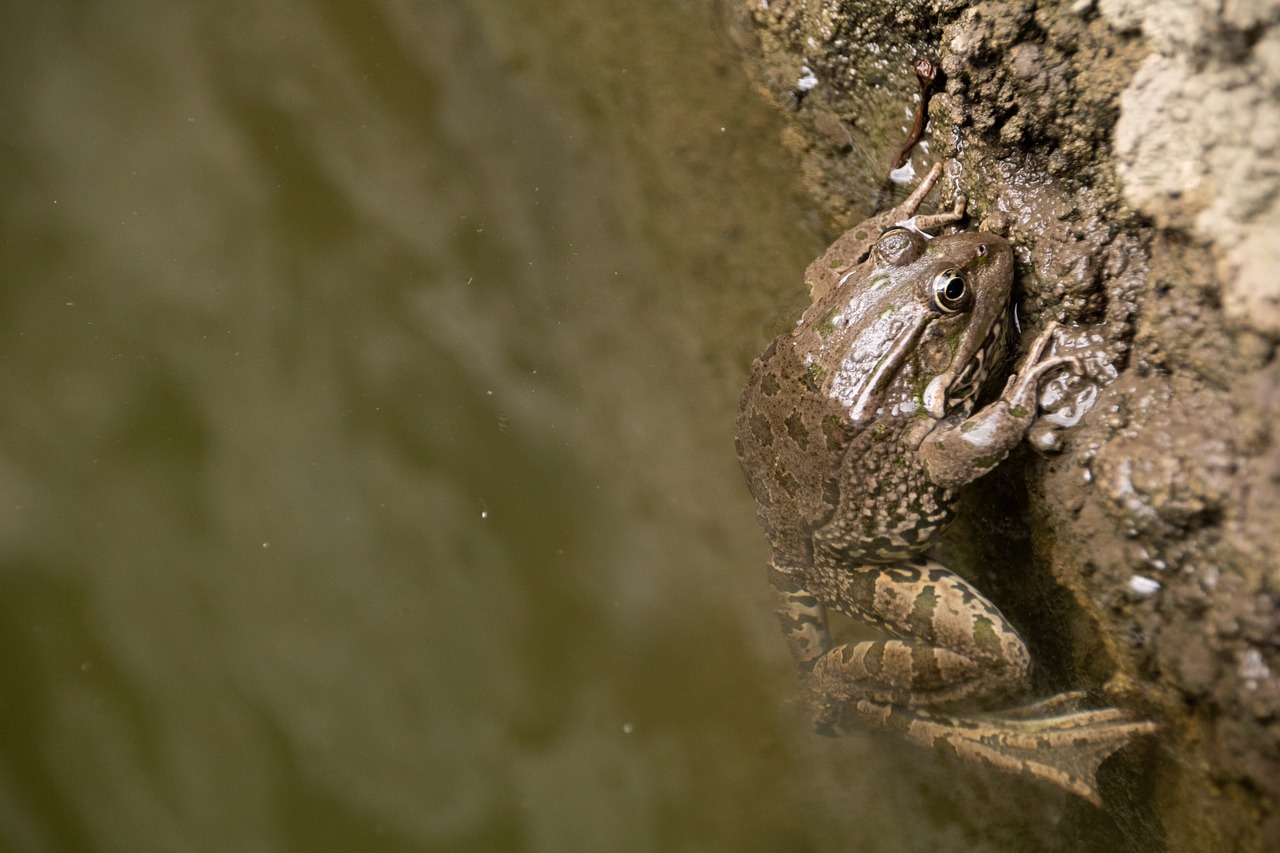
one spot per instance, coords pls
(367, 373)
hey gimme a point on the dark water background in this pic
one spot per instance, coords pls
(367, 374)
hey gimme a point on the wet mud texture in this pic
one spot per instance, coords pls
(1128, 151)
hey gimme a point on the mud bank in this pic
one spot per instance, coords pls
(1129, 151)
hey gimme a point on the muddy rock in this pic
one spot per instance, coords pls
(1129, 152)
(1198, 138)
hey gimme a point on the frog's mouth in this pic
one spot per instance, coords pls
(937, 396)
(967, 372)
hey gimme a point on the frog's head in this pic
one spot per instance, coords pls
(924, 322)
(967, 281)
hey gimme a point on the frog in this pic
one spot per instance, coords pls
(855, 431)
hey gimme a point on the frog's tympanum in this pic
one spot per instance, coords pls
(854, 431)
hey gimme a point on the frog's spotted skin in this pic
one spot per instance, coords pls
(854, 430)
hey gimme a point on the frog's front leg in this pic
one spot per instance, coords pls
(949, 643)
(959, 451)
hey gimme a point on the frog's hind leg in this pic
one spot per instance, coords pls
(803, 619)
(897, 672)
(950, 643)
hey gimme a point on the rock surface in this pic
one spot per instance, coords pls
(1129, 151)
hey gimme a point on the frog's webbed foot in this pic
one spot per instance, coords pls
(1062, 749)
(1065, 750)
(1061, 703)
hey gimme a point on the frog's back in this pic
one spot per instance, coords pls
(859, 494)
(789, 440)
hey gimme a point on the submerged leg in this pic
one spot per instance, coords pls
(1064, 750)
(950, 644)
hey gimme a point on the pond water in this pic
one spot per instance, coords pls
(368, 373)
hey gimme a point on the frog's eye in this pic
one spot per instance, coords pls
(950, 292)
(899, 246)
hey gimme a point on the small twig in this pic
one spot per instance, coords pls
(927, 73)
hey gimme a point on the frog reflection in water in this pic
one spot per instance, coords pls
(854, 430)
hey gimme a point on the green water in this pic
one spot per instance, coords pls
(367, 373)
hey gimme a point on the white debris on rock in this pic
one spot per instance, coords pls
(807, 81)
(1143, 585)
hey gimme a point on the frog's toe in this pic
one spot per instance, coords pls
(1042, 341)
(1038, 370)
